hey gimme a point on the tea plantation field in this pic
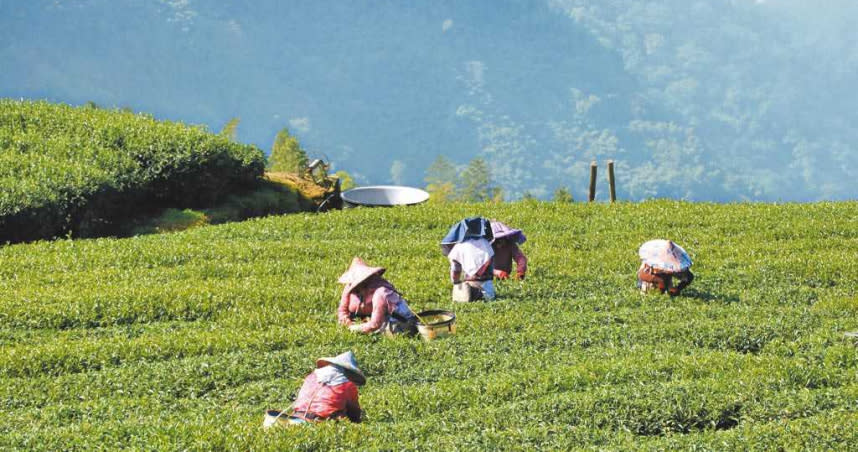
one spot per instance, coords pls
(181, 341)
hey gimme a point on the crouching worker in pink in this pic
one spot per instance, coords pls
(328, 393)
(368, 296)
(505, 246)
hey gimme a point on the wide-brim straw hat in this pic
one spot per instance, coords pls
(502, 231)
(359, 272)
(664, 255)
(347, 362)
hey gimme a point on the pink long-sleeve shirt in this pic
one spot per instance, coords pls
(376, 300)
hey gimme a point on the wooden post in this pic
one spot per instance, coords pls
(611, 180)
(593, 167)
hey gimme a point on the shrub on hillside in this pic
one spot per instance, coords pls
(81, 170)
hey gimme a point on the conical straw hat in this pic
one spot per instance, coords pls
(347, 362)
(664, 255)
(502, 231)
(358, 272)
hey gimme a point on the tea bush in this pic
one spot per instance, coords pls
(81, 170)
(181, 341)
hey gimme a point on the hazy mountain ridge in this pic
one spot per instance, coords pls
(741, 99)
(742, 80)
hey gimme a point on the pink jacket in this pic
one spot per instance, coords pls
(376, 300)
(328, 401)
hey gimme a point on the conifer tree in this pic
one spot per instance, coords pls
(230, 130)
(286, 154)
(476, 181)
(442, 180)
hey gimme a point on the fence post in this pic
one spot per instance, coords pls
(593, 167)
(611, 182)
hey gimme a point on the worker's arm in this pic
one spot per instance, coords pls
(487, 268)
(379, 311)
(520, 261)
(455, 272)
(353, 410)
(343, 315)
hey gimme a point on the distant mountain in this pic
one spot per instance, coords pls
(729, 100)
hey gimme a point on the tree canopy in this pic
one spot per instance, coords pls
(286, 154)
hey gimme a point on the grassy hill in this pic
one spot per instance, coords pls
(180, 341)
(86, 171)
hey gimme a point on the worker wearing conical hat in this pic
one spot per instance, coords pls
(368, 296)
(505, 246)
(665, 266)
(328, 393)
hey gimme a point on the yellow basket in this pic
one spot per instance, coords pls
(438, 324)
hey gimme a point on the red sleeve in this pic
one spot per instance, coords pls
(520, 260)
(343, 309)
(379, 311)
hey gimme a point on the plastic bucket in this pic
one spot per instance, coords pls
(384, 196)
(438, 324)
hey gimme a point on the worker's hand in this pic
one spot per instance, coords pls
(345, 321)
(500, 274)
(519, 276)
(355, 329)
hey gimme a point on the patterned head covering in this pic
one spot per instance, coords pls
(664, 255)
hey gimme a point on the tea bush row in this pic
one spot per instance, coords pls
(80, 170)
(180, 341)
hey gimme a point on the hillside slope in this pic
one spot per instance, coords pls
(85, 170)
(180, 341)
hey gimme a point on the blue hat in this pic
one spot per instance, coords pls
(467, 229)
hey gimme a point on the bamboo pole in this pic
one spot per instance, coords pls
(611, 181)
(593, 167)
